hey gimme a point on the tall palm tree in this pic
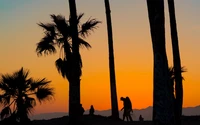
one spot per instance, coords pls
(18, 94)
(177, 63)
(162, 94)
(74, 95)
(59, 34)
(114, 103)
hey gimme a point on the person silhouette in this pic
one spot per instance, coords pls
(141, 118)
(81, 110)
(127, 108)
(91, 112)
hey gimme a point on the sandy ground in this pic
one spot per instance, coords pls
(100, 120)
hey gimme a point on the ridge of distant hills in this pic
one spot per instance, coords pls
(146, 113)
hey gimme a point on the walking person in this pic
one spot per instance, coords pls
(127, 108)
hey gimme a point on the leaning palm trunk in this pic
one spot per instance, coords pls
(177, 64)
(162, 94)
(74, 83)
(114, 104)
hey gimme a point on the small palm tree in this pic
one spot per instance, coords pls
(18, 94)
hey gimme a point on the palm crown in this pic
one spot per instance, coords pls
(171, 72)
(172, 75)
(18, 94)
(58, 35)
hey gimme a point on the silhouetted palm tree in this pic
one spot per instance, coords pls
(114, 103)
(162, 94)
(59, 34)
(18, 94)
(74, 94)
(177, 63)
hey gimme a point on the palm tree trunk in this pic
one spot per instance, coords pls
(74, 103)
(177, 63)
(74, 92)
(162, 95)
(22, 109)
(114, 103)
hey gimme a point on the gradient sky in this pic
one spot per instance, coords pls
(19, 34)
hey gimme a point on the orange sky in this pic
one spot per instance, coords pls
(19, 34)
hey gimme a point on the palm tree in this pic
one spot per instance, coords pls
(18, 94)
(74, 88)
(177, 63)
(162, 94)
(114, 104)
(59, 35)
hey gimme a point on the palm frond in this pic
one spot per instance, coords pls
(88, 26)
(44, 93)
(79, 17)
(20, 79)
(5, 99)
(183, 69)
(83, 43)
(60, 65)
(7, 82)
(172, 72)
(23, 73)
(38, 83)
(49, 28)
(61, 24)
(30, 103)
(46, 46)
(5, 112)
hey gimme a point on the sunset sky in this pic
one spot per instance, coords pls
(19, 34)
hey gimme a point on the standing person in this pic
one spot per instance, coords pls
(91, 112)
(141, 118)
(126, 108)
(129, 108)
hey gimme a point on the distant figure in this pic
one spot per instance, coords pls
(141, 118)
(91, 112)
(81, 110)
(127, 108)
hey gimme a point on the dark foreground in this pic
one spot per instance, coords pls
(100, 120)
